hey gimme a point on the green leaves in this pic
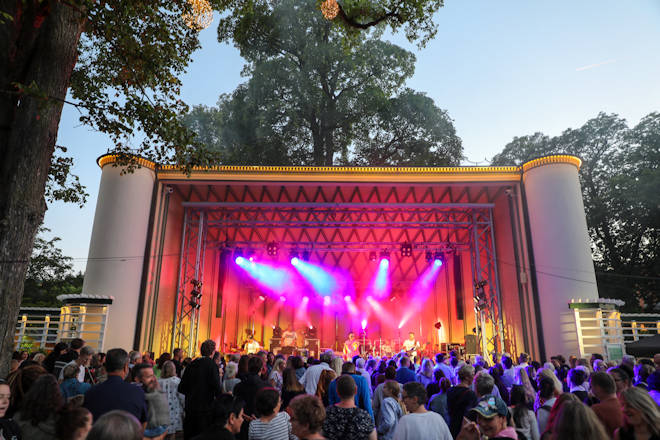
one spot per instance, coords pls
(620, 180)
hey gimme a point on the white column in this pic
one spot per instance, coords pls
(117, 246)
(562, 252)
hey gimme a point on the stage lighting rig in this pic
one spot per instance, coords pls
(429, 256)
(385, 254)
(195, 294)
(305, 255)
(238, 252)
(406, 249)
(373, 256)
(272, 249)
(438, 256)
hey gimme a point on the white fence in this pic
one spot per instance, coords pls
(37, 328)
(636, 326)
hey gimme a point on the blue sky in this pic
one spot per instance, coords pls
(500, 69)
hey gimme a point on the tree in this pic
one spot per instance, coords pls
(310, 100)
(49, 274)
(620, 178)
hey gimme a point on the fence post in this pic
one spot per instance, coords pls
(44, 333)
(21, 332)
(634, 330)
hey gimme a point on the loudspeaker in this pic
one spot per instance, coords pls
(471, 344)
(313, 345)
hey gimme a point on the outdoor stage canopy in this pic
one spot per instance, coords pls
(488, 257)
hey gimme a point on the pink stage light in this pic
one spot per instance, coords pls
(305, 299)
(283, 299)
(326, 300)
(347, 298)
(364, 324)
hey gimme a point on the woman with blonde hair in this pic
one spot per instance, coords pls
(642, 416)
(576, 421)
(425, 375)
(275, 376)
(323, 387)
(336, 364)
(391, 410)
(523, 379)
(169, 383)
(554, 412)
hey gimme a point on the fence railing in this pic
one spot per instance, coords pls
(37, 330)
(636, 326)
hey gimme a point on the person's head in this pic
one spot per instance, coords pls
(70, 371)
(177, 354)
(267, 402)
(507, 362)
(602, 385)
(348, 368)
(162, 359)
(359, 363)
(337, 364)
(39, 358)
(642, 372)
(413, 396)
(466, 374)
(405, 362)
(85, 356)
(518, 396)
(523, 358)
(346, 387)
(74, 423)
(653, 381)
(546, 387)
(169, 370)
(411, 336)
(484, 384)
(640, 409)
(621, 379)
(427, 367)
(390, 373)
(594, 357)
(576, 376)
(228, 412)
(231, 369)
(599, 365)
(576, 421)
(290, 380)
(279, 364)
(116, 425)
(144, 373)
(351, 336)
(545, 372)
(392, 389)
(440, 358)
(325, 378)
(326, 357)
(491, 414)
(307, 415)
(43, 400)
(116, 362)
(297, 362)
(60, 348)
(5, 397)
(207, 348)
(134, 357)
(76, 344)
(255, 364)
(438, 374)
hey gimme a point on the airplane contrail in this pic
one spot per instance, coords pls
(591, 66)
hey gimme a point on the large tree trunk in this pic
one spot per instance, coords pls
(37, 48)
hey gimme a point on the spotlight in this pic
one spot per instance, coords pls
(385, 254)
(295, 261)
(384, 263)
(364, 324)
(347, 298)
(406, 249)
(438, 257)
(305, 299)
(372, 256)
(240, 261)
(238, 252)
(283, 299)
(326, 300)
(262, 298)
(429, 256)
(272, 249)
(306, 255)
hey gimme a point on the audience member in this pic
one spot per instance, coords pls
(460, 399)
(20, 382)
(158, 413)
(8, 427)
(323, 387)
(116, 425)
(578, 385)
(545, 400)
(169, 383)
(642, 416)
(59, 349)
(115, 393)
(491, 413)
(390, 374)
(177, 357)
(201, 385)
(227, 418)
(391, 411)
(344, 420)
(440, 364)
(310, 379)
(404, 374)
(362, 396)
(270, 424)
(230, 380)
(642, 373)
(71, 354)
(39, 409)
(576, 421)
(248, 388)
(70, 385)
(523, 417)
(291, 387)
(425, 375)
(621, 379)
(654, 386)
(509, 374)
(438, 402)
(73, 423)
(419, 423)
(307, 417)
(275, 376)
(608, 409)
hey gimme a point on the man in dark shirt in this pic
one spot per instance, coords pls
(70, 355)
(177, 358)
(247, 389)
(115, 393)
(460, 399)
(201, 385)
(404, 374)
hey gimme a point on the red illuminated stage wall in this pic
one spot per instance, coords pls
(219, 226)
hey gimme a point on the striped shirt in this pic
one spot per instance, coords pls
(278, 428)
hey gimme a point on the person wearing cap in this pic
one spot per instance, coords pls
(491, 412)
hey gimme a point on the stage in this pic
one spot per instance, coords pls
(451, 254)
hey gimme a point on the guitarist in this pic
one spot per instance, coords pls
(411, 346)
(351, 347)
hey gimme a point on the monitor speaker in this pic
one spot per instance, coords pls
(471, 344)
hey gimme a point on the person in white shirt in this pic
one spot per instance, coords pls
(411, 345)
(310, 379)
(522, 363)
(82, 363)
(252, 346)
(289, 337)
(446, 369)
(419, 423)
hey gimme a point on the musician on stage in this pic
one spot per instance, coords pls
(351, 347)
(411, 346)
(289, 337)
(251, 346)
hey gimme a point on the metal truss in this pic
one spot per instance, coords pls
(337, 223)
(486, 285)
(189, 289)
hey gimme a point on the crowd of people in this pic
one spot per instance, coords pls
(76, 393)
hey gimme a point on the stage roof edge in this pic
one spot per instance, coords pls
(336, 173)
